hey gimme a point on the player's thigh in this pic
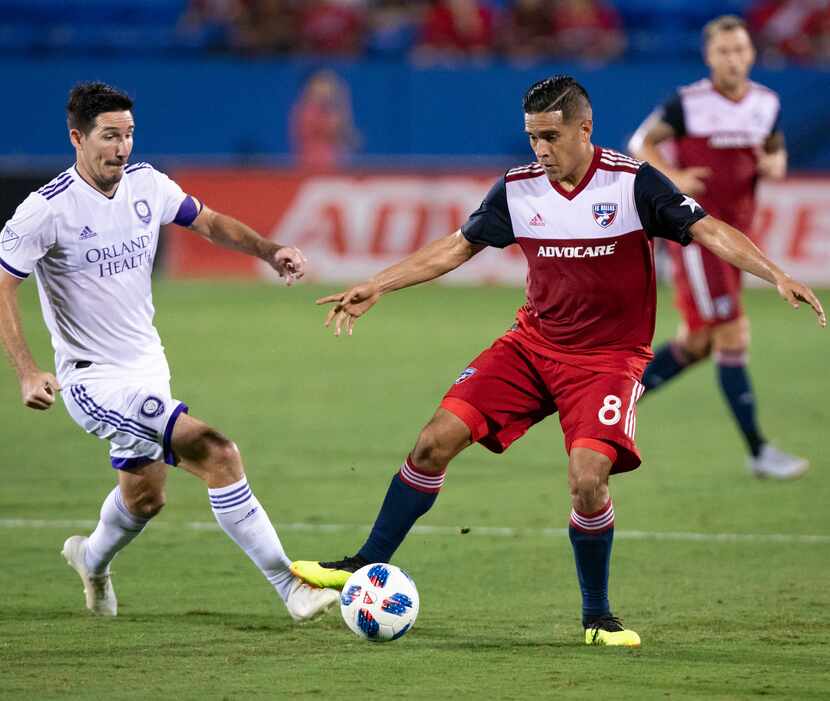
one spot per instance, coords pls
(500, 395)
(600, 408)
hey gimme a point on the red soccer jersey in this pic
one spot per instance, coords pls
(721, 134)
(591, 295)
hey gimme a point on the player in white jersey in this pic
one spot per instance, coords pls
(90, 237)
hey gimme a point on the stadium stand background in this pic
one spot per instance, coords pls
(217, 83)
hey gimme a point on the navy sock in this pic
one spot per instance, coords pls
(410, 495)
(669, 360)
(592, 536)
(737, 388)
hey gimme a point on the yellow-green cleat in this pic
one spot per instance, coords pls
(329, 575)
(609, 630)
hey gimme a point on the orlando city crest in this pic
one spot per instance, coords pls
(605, 213)
(142, 211)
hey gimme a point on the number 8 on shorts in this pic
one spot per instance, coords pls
(609, 413)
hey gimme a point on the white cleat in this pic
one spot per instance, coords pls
(776, 464)
(305, 602)
(100, 596)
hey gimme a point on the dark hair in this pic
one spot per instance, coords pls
(561, 92)
(88, 100)
(724, 23)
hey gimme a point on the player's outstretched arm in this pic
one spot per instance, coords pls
(427, 263)
(730, 244)
(231, 233)
(37, 388)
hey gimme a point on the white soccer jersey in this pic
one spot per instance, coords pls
(92, 256)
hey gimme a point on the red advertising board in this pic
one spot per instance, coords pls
(351, 225)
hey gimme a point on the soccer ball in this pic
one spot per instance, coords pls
(379, 602)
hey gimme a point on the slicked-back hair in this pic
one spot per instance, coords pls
(561, 92)
(724, 23)
(88, 100)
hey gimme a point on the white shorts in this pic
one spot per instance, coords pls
(137, 419)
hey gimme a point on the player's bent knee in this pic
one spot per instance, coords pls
(733, 336)
(440, 441)
(145, 504)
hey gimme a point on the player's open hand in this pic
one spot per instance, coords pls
(691, 181)
(794, 292)
(290, 263)
(39, 389)
(350, 305)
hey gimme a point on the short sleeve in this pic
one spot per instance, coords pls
(490, 224)
(27, 237)
(172, 197)
(671, 112)
(664, 211)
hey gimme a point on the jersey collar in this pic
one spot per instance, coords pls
(96, 191)
(570, 194)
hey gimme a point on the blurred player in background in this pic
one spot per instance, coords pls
(90, 237)
(584, 217)
(726, 135)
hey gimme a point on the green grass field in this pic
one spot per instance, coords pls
(323, 423)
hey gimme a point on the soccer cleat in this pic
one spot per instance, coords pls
(331, 575)
(305, 602)
(776, 464)
(100, 596)
(608, 630)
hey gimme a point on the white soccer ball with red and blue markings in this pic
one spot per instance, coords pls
(379, 602)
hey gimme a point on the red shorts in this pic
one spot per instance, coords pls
(508, 388)
(708, 289)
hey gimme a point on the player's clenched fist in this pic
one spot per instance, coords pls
(39, 389)
(290, 263)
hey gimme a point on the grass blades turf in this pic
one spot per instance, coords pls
(323, 423)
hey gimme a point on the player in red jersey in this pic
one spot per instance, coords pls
(584, 217)
(726, 135)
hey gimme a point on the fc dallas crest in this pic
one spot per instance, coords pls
(605, 213)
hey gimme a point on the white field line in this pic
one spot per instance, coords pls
(486, 531)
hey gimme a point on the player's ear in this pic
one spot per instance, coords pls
(75, 137)
(586, 128)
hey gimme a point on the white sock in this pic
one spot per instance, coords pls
(114, 531)
(242, 517)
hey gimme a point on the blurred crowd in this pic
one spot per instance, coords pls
(428, 32)
(443, 31)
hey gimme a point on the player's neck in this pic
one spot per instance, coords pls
(92, 182)
(734, 91)
(572, 180)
